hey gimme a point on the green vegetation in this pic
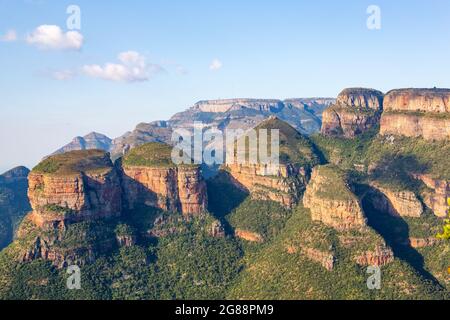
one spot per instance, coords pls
(277, 273)
(334, 185)
(413, 155)
(295, 148)
(433, 115)
(74, 162)
(265, 218)
(150, 155)
(124, 230)
(346, 153)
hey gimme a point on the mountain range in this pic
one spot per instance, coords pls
(303, 114)
(364, 192)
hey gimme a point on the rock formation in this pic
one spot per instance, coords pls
(72, 187)
(356, 111)
(417, 113)
(381, 256)
(249, 236)
(160, 183)
(398, 203)
(331, 201)
(435, 197)
(283, 182)
(283, 187)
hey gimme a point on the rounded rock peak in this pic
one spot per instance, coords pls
(361, 98)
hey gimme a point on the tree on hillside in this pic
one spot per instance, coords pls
(446, 233)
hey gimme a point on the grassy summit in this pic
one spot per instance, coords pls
(334, 185)
(152, 154)
(75, 162)
(294, 147)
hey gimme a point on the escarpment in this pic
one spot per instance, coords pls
(356, 111)
(282, 182)
(417, 113)
(331, 201)
(150, 178)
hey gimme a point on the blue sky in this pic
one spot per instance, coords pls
(265, 49)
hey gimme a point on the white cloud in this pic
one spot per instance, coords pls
(52, 37)
(9, 36)
(215, 65)
(133, 67)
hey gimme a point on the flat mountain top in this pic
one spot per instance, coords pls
(75, 162)
(151, 154)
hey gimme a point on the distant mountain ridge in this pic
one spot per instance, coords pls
(92, 140)
(304, 114)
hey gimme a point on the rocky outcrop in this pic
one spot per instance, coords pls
(381, 256)
(216, 230)
(398, 203)
(325, 259)
(74, 244)
(437, 194)
(283, 186)
(423, 242)
(331, 201)
(249, 236)
(282, 182)
(73, 194)
(356, 111)
(150, 178)
(421, 113)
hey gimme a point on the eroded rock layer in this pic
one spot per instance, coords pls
(398, 203)
(73, 195)
(356, 111)
(417, 113)
(331, 201)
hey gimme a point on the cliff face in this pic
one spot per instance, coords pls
(398, 203)
(417, 113)
(170, 189)
(331, 201)
(283, 182)
(282, 187)
(150, 178)
(191, 190)
(436, 196)
(356, 111)
(75, 194)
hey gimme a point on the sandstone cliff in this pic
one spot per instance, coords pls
(72, 187)
(150, 178)
(417, 113)
(356, 111)
(435, 197)
(398, 203)
(283, 182)
(331, 201)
